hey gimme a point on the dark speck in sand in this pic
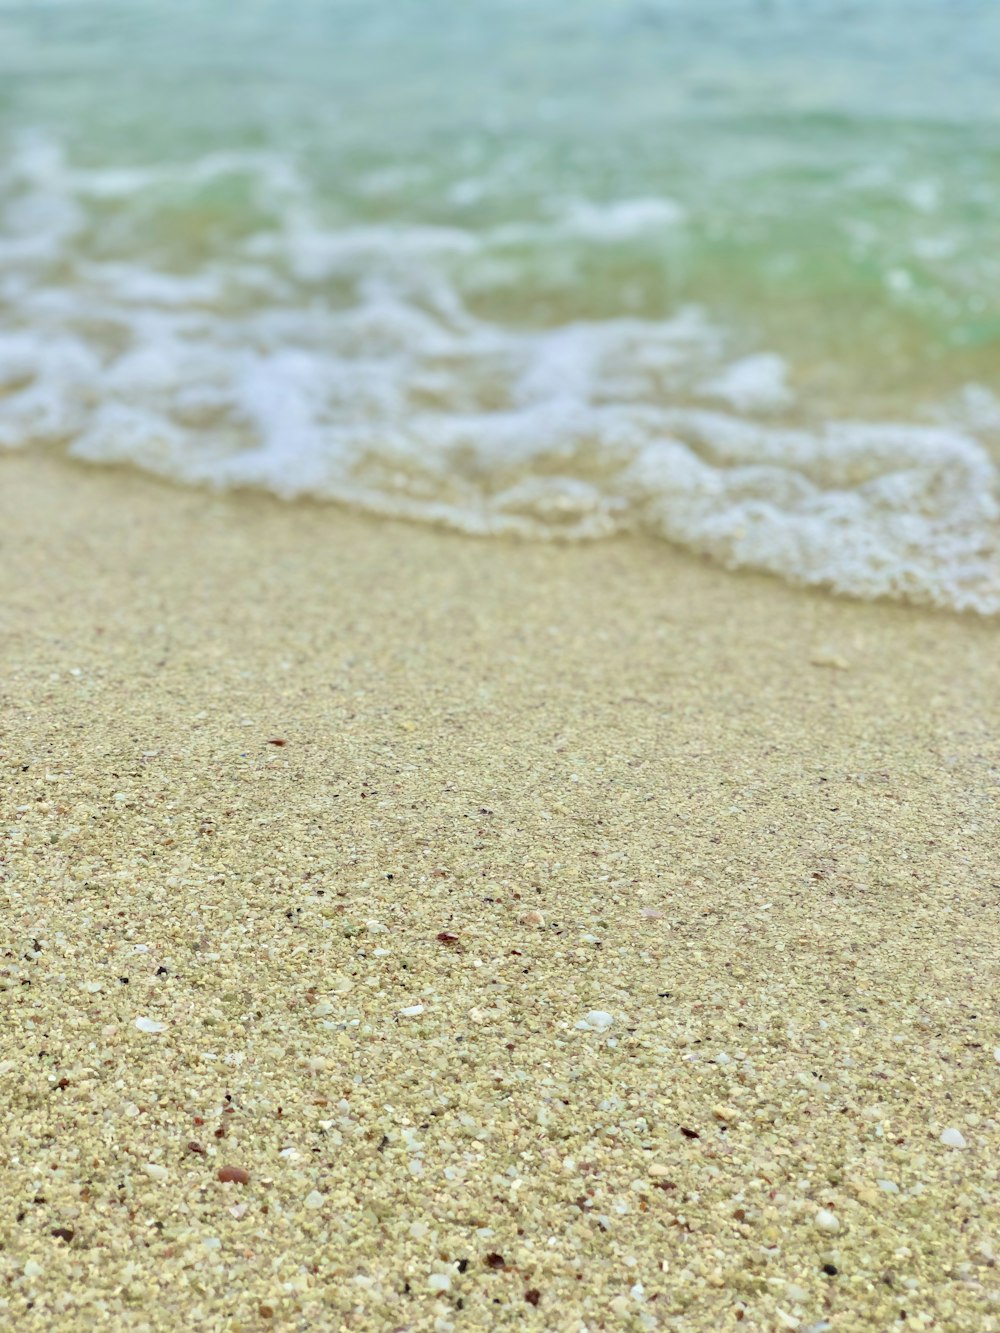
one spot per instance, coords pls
(690, 1133)
(277, 741)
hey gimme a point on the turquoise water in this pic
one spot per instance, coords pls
(728, 272)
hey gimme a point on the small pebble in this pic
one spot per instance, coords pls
(314, 1199)
(155, 1171)
(235, 1174)
(953, 1138)
(827, 1221)
(825, 657)
(438, 1282)
(411, 1011)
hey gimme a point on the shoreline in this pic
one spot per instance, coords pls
(517, 785)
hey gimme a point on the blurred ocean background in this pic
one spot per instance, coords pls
(726, 271)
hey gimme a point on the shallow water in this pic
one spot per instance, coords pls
(726, 273)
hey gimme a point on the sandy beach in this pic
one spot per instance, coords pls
(561, 937)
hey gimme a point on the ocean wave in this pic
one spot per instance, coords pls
(345, 361)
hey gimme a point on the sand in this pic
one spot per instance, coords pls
(323, 836)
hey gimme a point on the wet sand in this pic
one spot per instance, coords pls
(324, 836)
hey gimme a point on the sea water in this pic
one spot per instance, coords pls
(724, 271)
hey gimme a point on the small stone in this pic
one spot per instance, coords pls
(826, 657)
(658, 1169)
(888, 1186)
(150, 1025)
(827, 1221)
(438, 1282)
(533, 918)
(33, 1269)
(411, 1011)
(233, 1174)
(155, 1171)
(314, 1199)
(953, 1138)
(598, 1020)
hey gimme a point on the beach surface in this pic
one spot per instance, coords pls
(561, 937)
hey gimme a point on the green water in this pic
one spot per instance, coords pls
(838, 163)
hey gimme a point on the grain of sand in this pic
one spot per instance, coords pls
(322, 838)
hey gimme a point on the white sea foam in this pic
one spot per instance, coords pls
(622, 220)
(755, 383)
(345, 362)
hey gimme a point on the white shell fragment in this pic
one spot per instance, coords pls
(150, 1025)
(953, 1138)
(598, 1020)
